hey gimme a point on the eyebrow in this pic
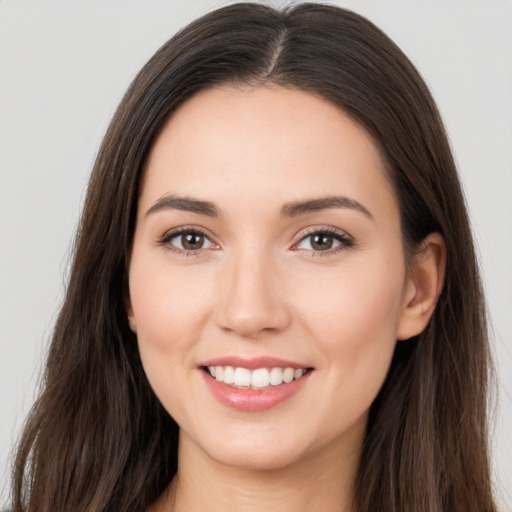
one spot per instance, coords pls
(322, 203)
(289, 210)
(187, 204)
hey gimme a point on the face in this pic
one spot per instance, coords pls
(267, 252)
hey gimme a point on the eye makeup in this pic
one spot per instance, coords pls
(194, 241)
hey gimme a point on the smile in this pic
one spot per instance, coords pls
(254, 384)
(259, 378)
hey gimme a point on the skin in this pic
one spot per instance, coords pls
(258, 287)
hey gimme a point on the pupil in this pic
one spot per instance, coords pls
(193, 241)
(321, 242)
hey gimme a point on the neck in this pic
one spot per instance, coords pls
(324, 481)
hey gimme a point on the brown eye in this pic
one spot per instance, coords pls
(321, 242)
(188, 241)
(192, 241)
(325, 241)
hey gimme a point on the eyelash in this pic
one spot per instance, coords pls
(345, 241)
(165, 240)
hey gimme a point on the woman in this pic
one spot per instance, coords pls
(268, 280)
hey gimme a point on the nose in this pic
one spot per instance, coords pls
(252, 298)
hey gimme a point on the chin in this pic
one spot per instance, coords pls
(252, 451)
(257, 460)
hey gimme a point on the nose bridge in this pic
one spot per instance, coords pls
(250, 288)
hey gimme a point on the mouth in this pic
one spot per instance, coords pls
(239, 377)
(254, 384)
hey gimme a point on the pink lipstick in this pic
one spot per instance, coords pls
(253, 384)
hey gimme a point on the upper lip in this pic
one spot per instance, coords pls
(253, 363)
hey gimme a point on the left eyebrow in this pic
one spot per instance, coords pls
(187, 204)
(297, 208)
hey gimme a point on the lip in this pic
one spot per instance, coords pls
(253, 399)
(253, 363)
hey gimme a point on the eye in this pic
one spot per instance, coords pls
(324, 241)
(187, 241)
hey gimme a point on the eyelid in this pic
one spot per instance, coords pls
(166, 238)
(345, 239)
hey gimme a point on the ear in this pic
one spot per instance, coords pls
(423, 287)
(131, 317)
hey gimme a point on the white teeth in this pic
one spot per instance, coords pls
(276, 376)
(288, 375)
(256, 379)
(260, 378)
(242, 377)
(229, 375)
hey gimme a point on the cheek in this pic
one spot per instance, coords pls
(353, 315)
(169, 307)
(168, 303)
(351, 300)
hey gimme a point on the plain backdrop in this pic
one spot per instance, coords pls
(64, 66)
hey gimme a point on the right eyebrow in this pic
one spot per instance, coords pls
(185, 203)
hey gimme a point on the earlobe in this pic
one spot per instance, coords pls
(131, 317)
(424, 285)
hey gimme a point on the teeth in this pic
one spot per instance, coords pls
(260, 378)
(276, 376)
(242, 377)
(288, 375)
(229, 375)
(255, 379)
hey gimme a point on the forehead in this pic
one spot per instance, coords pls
(235, 144)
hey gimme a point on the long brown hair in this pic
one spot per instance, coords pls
(98, 439)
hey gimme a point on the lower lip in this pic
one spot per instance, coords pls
(253, 399)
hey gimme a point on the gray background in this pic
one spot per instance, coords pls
(63, 68)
